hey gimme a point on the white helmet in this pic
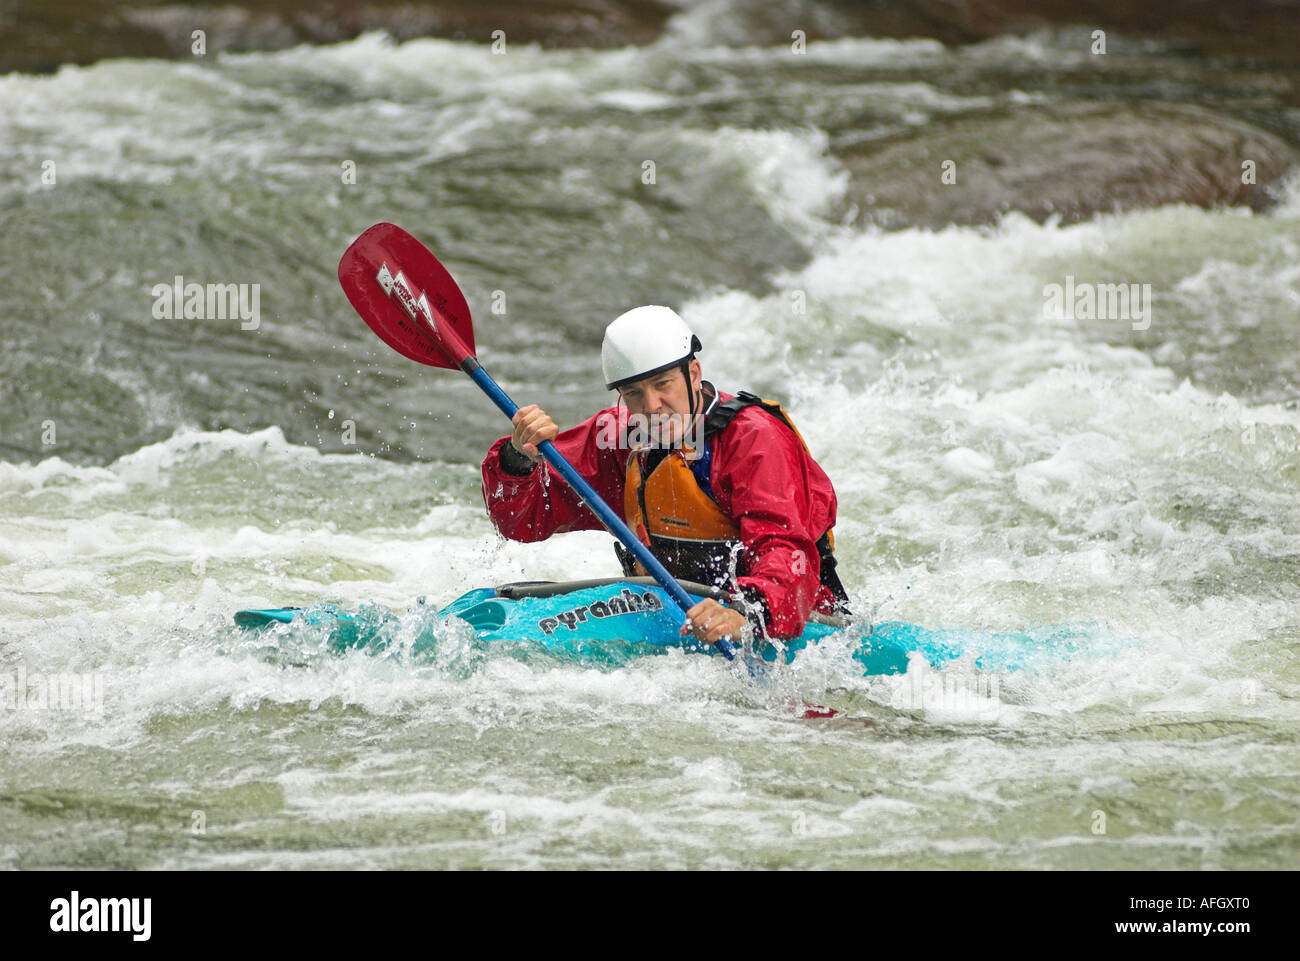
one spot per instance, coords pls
(645, 341)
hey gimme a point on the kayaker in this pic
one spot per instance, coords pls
(721, 488)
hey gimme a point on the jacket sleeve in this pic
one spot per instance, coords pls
(539, 504)
(783, 502)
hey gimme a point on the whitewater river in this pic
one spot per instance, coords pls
(1000, 465)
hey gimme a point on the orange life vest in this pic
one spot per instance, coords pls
(682, 524)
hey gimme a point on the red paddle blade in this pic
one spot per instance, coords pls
(407, 297)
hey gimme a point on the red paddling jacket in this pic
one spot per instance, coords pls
(754, 497)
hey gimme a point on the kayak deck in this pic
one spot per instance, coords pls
(612, 621)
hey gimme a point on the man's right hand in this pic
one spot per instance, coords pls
(532, 426)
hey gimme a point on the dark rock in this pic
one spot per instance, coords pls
(1258, 30)
(1074, 161)
(40, 35)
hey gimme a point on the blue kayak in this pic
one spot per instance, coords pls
(612, 621)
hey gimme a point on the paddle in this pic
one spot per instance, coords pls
(413, 304)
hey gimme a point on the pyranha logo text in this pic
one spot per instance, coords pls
(625, 603)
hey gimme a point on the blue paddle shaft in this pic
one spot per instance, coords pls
(613, 523)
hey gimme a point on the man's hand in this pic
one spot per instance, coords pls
(532, 426)
(711, 622)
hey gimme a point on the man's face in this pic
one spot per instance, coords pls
(665, 401)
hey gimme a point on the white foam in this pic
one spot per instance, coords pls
(792, 174)
(1289, 191)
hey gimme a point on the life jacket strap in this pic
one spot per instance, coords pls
(626, 559)
(829, 576)
(723, 413)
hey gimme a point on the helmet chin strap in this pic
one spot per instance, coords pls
(686, 372)
(696, 402)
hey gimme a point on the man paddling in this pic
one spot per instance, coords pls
(721, 489)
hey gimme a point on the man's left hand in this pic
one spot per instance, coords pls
(711, 622)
